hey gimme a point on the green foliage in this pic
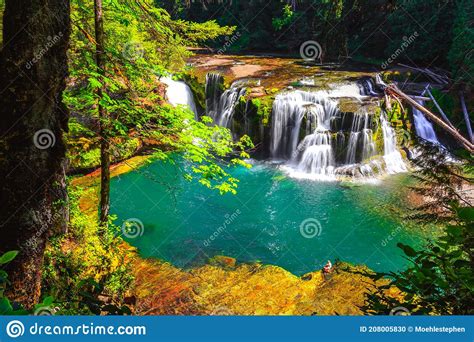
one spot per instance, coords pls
(285, 20)
(440, 278)
(6, 307)
(421, 32)
(87, 274)
(461, 54)
(142, 44)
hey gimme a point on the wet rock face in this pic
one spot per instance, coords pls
(247, 289)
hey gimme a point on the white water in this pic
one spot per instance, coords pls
(179, 93)
(393, 159)
(329, 149)
(312, 136)
(221, 105)
(424, 128)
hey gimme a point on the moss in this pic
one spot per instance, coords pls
(198, 88)
(378, 139)
(263, 107)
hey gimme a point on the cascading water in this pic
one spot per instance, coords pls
(424, 128)
(324, 152)
(311, 135)
(179, 93)
(393, 159)
(220, 105)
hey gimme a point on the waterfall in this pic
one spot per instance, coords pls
(220, 105)
(318, 140)
(393, 159)
(367, 87)
(360, 129)
(323, 152)
(287, 116)
(424, 128)
(179, 93)
(214, 90)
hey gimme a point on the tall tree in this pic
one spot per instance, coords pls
(104, 144)
(32, 154)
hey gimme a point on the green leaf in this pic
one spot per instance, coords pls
(5, 306)
(407, 250)
(8, 256)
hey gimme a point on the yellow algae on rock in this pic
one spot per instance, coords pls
(248, 289)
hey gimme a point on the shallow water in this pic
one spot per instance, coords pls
(297, 224)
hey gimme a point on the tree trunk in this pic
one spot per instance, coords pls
(454, 133)
(33, 68)
(104, 145)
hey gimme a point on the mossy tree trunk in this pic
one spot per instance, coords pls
(104, 144)
(33, 68)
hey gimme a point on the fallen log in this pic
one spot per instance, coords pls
(456, 135)
(466, 117)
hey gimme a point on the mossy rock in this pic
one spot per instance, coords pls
(223, 261)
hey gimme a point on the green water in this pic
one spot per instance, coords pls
(265, 220)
